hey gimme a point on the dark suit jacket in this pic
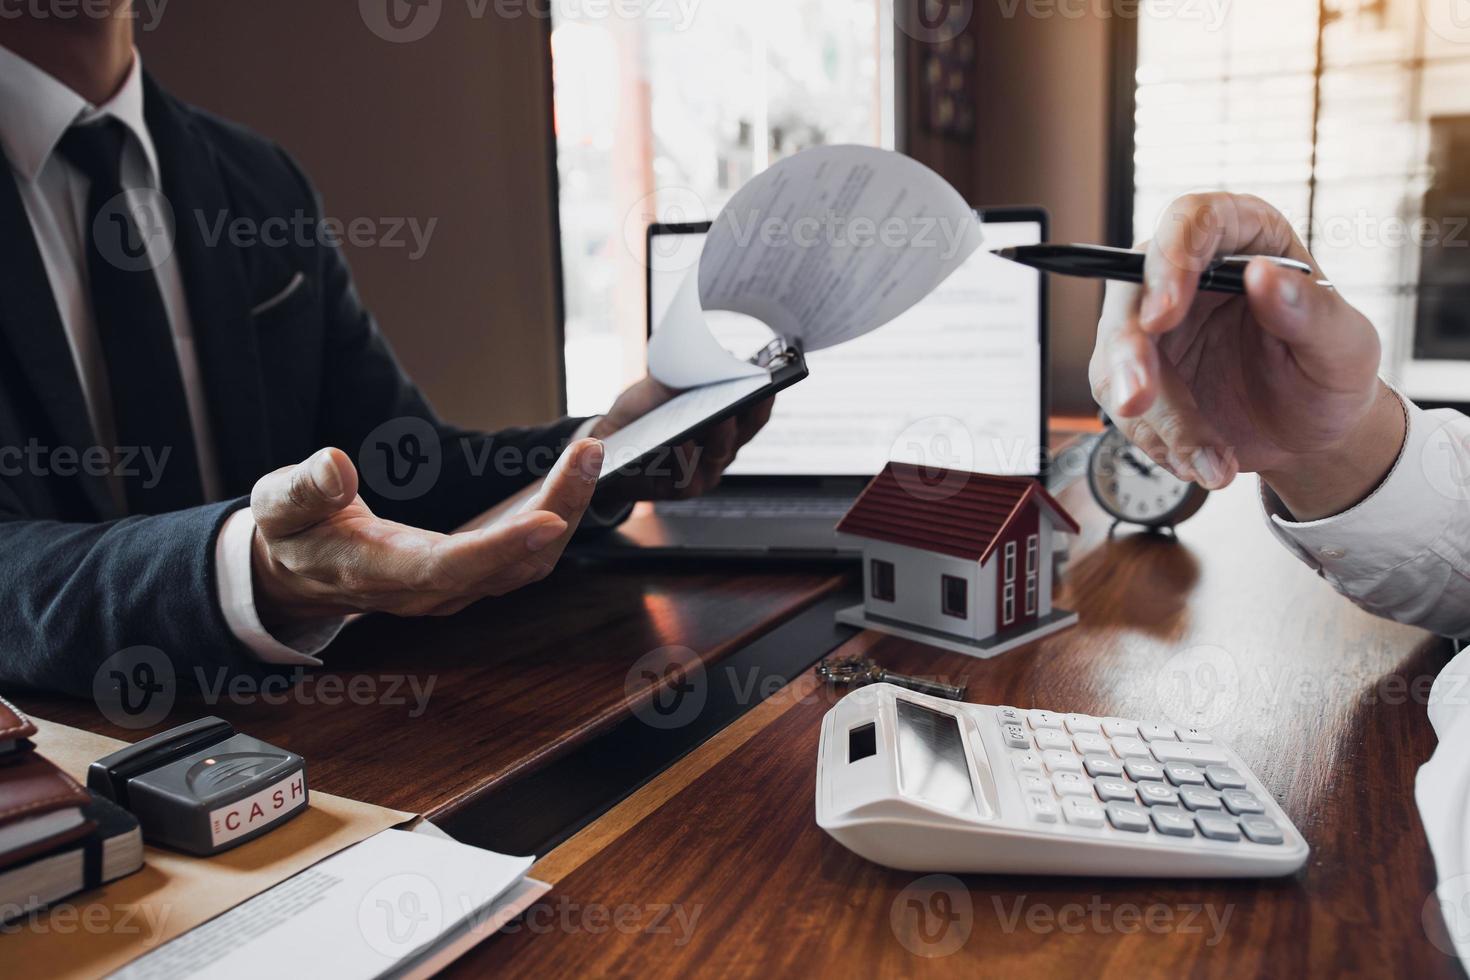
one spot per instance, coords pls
(81, 582)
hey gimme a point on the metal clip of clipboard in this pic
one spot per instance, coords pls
(777, 354)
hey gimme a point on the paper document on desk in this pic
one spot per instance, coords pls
(824, 246)
(399, 904)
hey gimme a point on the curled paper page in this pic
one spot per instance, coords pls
(825, 246)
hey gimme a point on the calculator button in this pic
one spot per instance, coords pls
(1262, 830)
(1129, 747)
(1109, 790)
(1126, 816)
(1139, 770)
(1174, 823)
(1239, 801)
(1057, 761)
(1204, 755)
(1091, 743)
(1082, 723)
(1071, 784)
(1194, 735)
(1042, 807)
(1181, 774)
(1223, 777)
(1032, 782)
(1044, 719)
(1199, 799)
(1156, 732)
(1050, 738)
(1157, 794)
(1217, 826)
(1015, 737)
(1083, 813)
(1010, 716)
(1026, 762)
(1120, 728)
(1102, 765)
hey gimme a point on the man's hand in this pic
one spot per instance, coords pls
(699, 464)
(320, 552)
(1282, 381)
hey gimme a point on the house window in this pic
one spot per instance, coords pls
(1010, 561)
(1008, 605)
(1031, 595)
(1033, 552)
(881, 574)
(956, 597)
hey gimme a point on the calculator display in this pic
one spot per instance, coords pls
(931, 759)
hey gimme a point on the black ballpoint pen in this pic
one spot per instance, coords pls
(1226, 275)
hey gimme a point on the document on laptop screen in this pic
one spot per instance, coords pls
(824, 247)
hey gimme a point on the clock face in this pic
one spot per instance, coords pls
(1133, 488)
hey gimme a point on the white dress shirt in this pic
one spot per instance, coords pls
(1404, 554)
(35, 112)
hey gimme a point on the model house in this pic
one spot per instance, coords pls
(960, 560)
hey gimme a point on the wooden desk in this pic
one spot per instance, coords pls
(517, 683)
(1224, 627)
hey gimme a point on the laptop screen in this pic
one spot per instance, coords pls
(957, 381)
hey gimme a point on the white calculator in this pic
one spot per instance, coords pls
(924, 784)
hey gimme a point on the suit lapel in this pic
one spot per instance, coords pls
(219, 302)
(32, 326)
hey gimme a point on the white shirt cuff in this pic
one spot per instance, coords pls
(237, 601)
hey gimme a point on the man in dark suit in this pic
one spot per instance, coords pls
(167, 398)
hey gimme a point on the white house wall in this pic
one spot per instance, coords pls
(917, 592)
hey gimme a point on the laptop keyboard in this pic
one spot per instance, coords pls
(731, 505)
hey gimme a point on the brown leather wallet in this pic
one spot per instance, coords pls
(31, 787)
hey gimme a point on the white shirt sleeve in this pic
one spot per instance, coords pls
(237, 600)
(1403, 553)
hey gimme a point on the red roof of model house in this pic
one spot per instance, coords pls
(950, 512)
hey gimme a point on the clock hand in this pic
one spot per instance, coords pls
(1143, 468)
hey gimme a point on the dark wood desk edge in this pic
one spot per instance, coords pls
(609, 719)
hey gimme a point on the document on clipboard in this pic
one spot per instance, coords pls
(823, 247)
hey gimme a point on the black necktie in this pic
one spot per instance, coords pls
(148, 403)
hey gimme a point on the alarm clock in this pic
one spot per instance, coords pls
(1133, 489)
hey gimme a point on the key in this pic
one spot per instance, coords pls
(858, 671)
(1186, 752)
(1217, 826)
(1194, 735)
(1157, 794)
(1082, 723)
(1174, 823)
(1262, 830)
(1083, 813)
(1156, 732)
(1181, 774)
(1089, 743)
(1015, 737)
(1010, 716)
(1223, 777)
(1239, 801)
(1026, 762)
(1195, 798)
(1109, 790)
(1061, 761)
(1071, 784)
(1050, 738)
(1043, 809)
(1044, 719)
(1131, 748)
(1034, 783)
(1120, 728)
(1102, 765)
(1140, 769)
(1126, 816)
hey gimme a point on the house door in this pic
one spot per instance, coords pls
(1018, 597)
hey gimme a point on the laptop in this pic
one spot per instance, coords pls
(957, 381)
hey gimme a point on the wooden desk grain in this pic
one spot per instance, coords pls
(516, 682)
(718, 868)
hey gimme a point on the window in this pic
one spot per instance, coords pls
(1347, 115)
(956, 596)
(662, 116)
(1010, 561)
(881, 575)
(1031, 589)
(1033, 552)
(1008, 605)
